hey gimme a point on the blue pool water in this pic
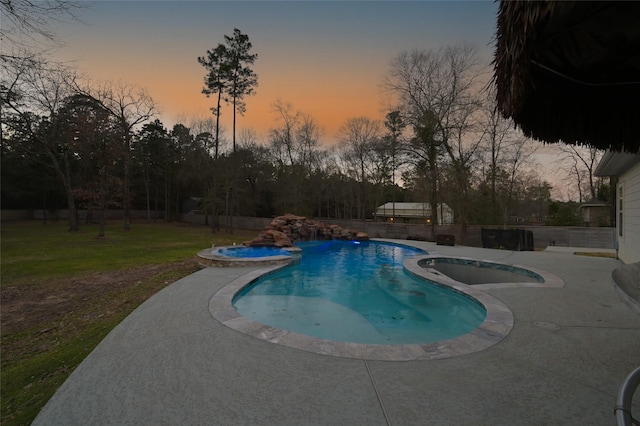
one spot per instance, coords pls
(249, 252)
(358, 292)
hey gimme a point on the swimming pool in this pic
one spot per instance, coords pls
(358, 292)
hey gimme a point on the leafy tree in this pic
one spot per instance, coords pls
(199, 176)
(426, 153)
(91, 134)
(25, 182)
(150, 151)
(563, 214)
(229, 76)
(240, 78)
(535, 197)
(395, 127)
(215, 83)
(255, 171)
(177, 168)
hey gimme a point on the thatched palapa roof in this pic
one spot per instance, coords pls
(570, 71)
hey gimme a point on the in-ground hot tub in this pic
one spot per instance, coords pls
(245, 256)
(483, 273)
(471, 271)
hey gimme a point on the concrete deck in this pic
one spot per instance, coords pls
(171, 362)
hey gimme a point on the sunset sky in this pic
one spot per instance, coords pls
(327, 58)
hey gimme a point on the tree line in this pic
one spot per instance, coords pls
(68, 143)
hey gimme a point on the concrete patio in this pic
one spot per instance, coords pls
(171, 362)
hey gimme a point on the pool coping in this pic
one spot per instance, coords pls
(412, 265)
(497, 324)
(495, 327)
(211, 257)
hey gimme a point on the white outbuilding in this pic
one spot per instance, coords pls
(413, 213)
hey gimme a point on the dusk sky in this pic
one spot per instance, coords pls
(327, 58)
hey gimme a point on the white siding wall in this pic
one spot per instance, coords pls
(629, 242)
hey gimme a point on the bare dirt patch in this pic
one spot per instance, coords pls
(44, 304)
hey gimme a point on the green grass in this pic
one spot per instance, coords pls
(40, 259)
(28, 384)
(34, 251)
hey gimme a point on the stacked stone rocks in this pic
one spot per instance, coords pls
(284, 230)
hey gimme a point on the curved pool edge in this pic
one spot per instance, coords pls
(496, 326)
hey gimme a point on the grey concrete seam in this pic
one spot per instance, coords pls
(378, 396)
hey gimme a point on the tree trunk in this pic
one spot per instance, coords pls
(234, 119)
(215, 219)
(126, 192)
(226, 204)
(148, 194)
(433, 186)
(102, 223)
(215, 157)
(462, 190)
(73, 213)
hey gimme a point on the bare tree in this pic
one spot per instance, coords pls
(359, 137)
(33, 91)
(505, 151)
(442, 85)
(282, 137)
(130, 106)
(462, 148)
(579, 164)
(518, 154)
(498, 132)
(295, 146)
(27, 25)
(308, 140)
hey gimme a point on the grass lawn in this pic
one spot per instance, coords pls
(62, 292)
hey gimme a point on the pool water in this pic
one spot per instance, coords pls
(251, 252)
(358, 292)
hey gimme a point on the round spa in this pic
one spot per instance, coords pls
(472, 271)
(244, 256)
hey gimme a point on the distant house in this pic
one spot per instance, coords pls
(627, 169)
(595, 213)
(413, 213)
